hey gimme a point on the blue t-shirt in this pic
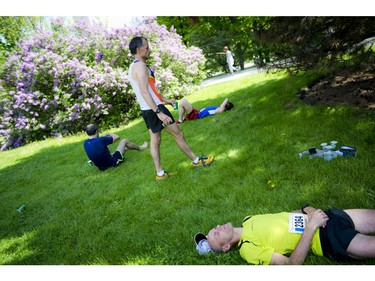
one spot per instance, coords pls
(98, 152)
(208, 111)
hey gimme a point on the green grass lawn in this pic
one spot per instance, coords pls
(77, 215)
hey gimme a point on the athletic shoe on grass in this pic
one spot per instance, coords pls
(204, 161)
(165, 176)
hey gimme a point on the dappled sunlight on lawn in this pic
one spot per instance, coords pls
(137, 260)
(259, 170)
(15, 156)
(15, 249)
(123, 216)
(128, 125)
(233, 153)
(263, 99)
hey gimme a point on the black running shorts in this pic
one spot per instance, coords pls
(337, 235)
(152, 121)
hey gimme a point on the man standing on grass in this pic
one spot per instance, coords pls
(98, 152)
(154, 112)
(286, 238)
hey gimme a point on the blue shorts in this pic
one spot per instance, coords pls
(117, 158)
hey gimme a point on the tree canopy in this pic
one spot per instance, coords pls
(12, 29)
(212, 33)
(292, 43)
(303, 43)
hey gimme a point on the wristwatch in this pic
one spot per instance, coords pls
(157, 110)
(303, 209)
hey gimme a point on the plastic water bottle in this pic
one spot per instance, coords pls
(318, 153)
(327, 147)
(175, 105)
(21, 209)
(330, 154)
(333, 144)
(309, 151)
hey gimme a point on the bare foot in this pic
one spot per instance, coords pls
(143, 146)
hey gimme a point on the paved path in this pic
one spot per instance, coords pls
(250, 69)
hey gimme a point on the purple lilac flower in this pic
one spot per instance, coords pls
(44, 62)
(98, 56)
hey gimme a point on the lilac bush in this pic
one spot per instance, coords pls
(70, 75)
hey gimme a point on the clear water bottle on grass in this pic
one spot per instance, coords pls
(328, 151)
(318, 153)
(329, 155)
(21, 209)
(310, 151)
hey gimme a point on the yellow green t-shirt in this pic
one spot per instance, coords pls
(265, 234)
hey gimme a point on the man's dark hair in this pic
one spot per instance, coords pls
(91, 129)
(229, 106)
(135, 43)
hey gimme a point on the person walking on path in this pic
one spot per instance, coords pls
(230, 59)
(155, 114)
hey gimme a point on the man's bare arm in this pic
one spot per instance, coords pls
(221, 108)
(317, 218)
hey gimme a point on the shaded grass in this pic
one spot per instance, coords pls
(78, 215)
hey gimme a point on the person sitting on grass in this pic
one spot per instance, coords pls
(98, 152)
(185, 108)
(271, 239)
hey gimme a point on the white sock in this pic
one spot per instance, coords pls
(196, 160)
(179, 120)
(160, 173)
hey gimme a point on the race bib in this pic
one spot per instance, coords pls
(297, 222)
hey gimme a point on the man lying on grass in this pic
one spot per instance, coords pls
(186, 110)
(286, 238)
(98, 152)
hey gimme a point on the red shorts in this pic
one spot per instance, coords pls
(192, 115)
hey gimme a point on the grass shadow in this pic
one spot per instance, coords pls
(78, 215)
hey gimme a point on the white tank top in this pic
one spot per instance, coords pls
(151, 88)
